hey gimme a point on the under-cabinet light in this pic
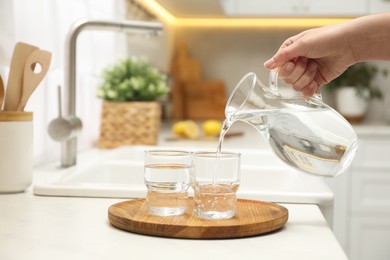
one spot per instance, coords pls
(166, 16)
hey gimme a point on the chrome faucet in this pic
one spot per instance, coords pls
(65, 129)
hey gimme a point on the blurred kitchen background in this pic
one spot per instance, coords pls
(224, 50)
(225, 47)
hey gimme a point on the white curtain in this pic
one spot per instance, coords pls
(45, 23)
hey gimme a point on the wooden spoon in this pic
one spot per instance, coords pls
(1, 93)
(15, 77)
(31, 78)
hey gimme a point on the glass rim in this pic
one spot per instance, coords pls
(172, 152)
(222, 154)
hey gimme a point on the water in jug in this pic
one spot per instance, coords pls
(302, 131)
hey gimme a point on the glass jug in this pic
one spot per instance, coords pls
(304, 132)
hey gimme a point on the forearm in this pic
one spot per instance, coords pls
(369, 37)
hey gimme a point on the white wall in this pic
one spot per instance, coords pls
(156, 48)
(229, 53)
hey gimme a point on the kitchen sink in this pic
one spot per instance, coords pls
(118, 173)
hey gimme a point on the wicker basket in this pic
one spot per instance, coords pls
(129, 123)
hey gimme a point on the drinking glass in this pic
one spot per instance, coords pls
(216, 179)
(167, 177)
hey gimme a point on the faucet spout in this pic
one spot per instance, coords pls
(69, 145)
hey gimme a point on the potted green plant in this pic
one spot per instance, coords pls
(354, 89)
(131, 113)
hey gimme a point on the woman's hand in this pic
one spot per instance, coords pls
(313, 58)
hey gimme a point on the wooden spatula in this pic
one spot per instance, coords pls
(1, 93)
(15, 78)
(31, 79)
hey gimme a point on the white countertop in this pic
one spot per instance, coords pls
(37, 227)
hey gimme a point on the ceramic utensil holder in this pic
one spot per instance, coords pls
(16, 151)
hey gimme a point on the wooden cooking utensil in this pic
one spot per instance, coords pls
(1, 93)
(31, 79)
(15, 78)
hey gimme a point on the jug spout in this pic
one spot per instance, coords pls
(251, 94)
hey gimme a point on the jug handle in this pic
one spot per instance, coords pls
(273, 83)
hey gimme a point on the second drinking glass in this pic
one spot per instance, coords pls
(216, 179)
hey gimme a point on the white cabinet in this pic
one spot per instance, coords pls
(370, 191)
(369, 238)
(378, 6)
(295, 8)
(362, 199)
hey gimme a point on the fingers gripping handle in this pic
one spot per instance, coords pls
(273, 84)
(273, 80)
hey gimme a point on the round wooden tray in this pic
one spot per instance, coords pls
(252, 218)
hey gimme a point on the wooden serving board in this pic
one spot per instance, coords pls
(252, 218)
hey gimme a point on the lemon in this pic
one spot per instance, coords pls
(187, 128)
(178, 128)
(191, 129)
(212, 127)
